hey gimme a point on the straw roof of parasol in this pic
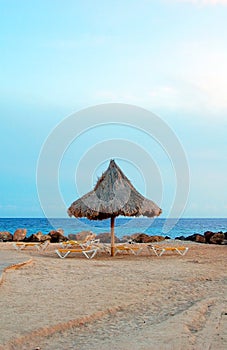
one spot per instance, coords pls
(113, 195)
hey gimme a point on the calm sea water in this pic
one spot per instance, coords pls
(123, 226)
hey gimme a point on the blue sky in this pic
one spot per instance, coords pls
(58, 57)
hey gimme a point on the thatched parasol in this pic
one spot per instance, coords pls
(112, 196)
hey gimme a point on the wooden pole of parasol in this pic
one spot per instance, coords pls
(112, 235)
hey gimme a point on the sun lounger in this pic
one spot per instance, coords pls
(89, 252)
(130, 248)
(88, 241)
(159, 250)
(82, 244)
(71, 244)
(37, 245)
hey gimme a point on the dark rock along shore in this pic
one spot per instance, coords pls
(57, 236)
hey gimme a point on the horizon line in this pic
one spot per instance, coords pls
(120, 217)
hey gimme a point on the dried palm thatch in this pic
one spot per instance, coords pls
(112, 196)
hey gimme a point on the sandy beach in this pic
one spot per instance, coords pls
(126, 302)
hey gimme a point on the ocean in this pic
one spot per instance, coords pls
(123, 226)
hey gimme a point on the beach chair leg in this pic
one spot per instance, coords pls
(94, 253)
(139, 251)
(62, 256)
(183, 252)
(16, 246)
(133, 251)
(106, 249)
(44, 245)
(186, 249)
(19, 247)
(87, 253)
(115, 251)
(156, 251)
(162, 251)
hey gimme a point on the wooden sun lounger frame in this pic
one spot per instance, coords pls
(159, 250)
(89, 252)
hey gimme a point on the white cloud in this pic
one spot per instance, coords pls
(192, 79)
(206, 71)
(202, 95)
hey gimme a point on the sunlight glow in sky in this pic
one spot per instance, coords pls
(167, 56)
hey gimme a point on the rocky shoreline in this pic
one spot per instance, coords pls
(57, 236)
